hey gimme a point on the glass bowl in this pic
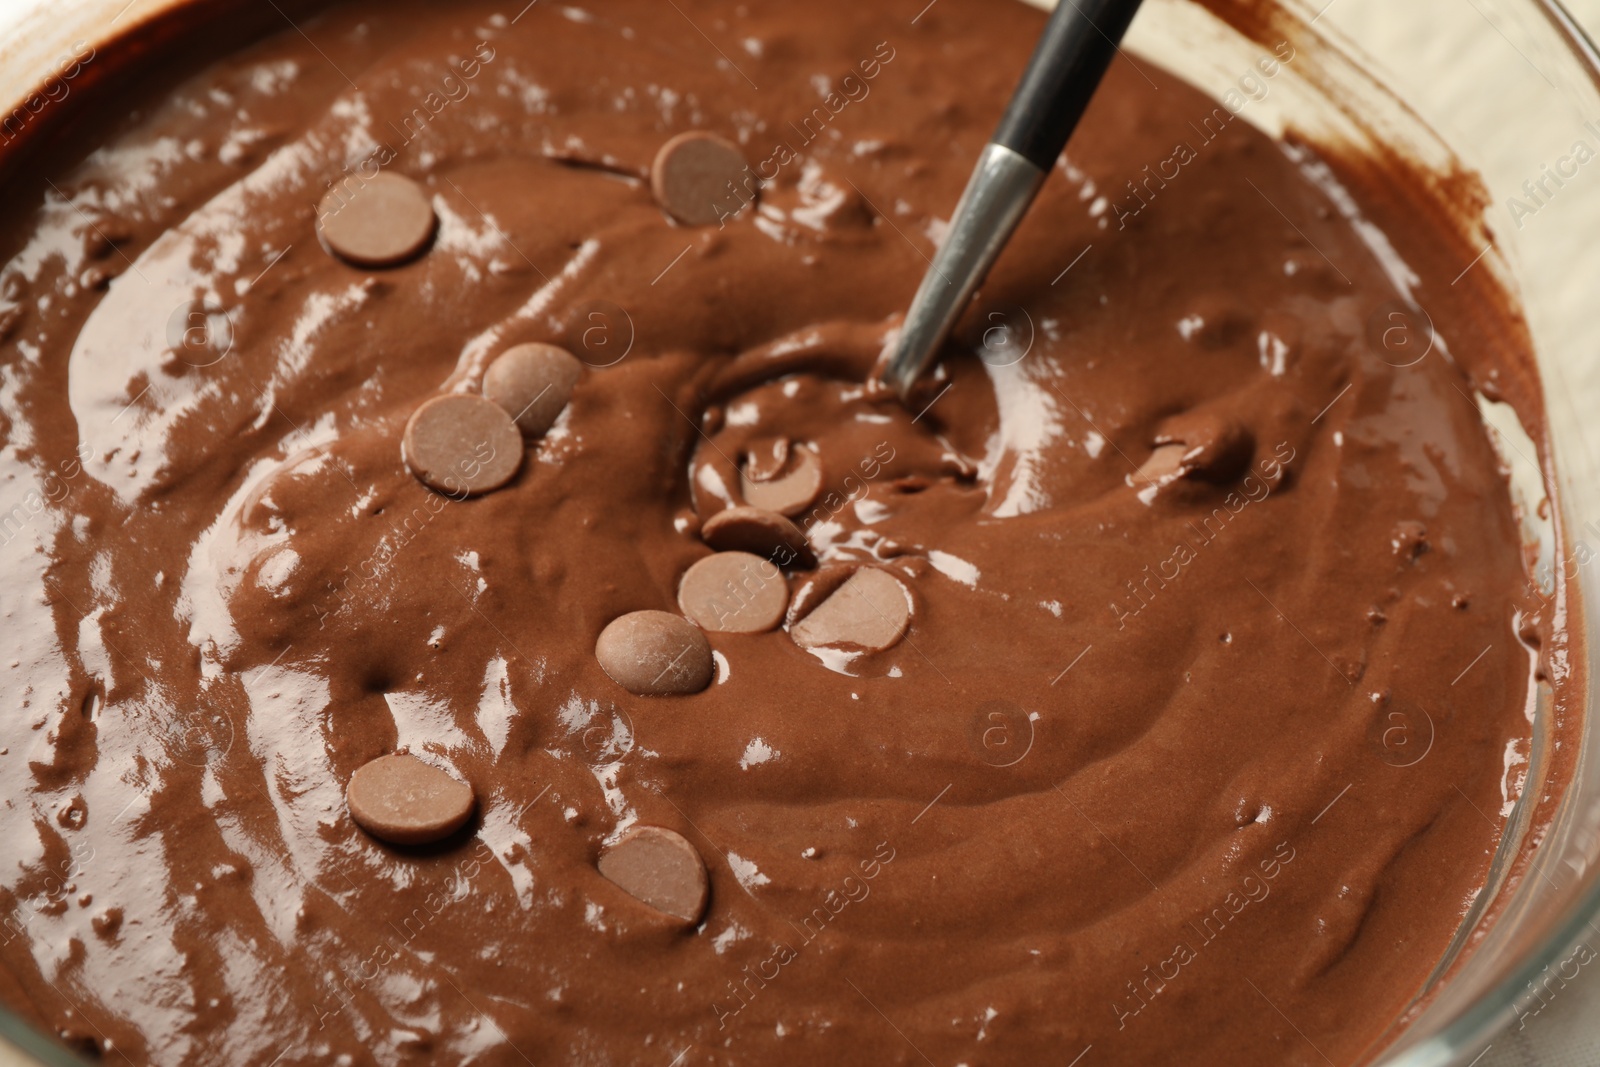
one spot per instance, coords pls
(1499, 89)
(1504, 91)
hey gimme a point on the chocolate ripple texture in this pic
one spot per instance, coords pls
(1191, 741)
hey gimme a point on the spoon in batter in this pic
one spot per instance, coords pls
(1066, 68)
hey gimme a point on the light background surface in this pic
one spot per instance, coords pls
(1564, 1031)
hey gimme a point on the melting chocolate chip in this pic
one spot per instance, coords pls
(734, 592)
(766, 459)
(383, 221)
(1216, 447)
(699, 178)
(817, 587)
(655, 653)
(1166, 461)
(660, 868)
(762, 533)
(533, 383)
(788, 487)
(404, 801)
(462, 445)
(871, 610)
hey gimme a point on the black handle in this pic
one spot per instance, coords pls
(1065, 70)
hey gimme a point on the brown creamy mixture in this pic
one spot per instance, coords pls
(1186, 756)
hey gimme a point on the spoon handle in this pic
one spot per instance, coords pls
(1071, 57)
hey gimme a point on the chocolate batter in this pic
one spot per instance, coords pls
(1206, 705)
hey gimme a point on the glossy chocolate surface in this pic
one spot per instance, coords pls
(1198, 767)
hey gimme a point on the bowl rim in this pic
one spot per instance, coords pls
(1476, 1027)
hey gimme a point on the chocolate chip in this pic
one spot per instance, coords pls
(817, 587)
(1165, 462)
(660, 868)
(462, 444)
(787, 487)
(763, 533)
(734, 592)
(404, 801)
(1217, 447)
(870, 611)
(383, 221)
(533, 382)
(766, 458)
(697, 178)
(655, 653)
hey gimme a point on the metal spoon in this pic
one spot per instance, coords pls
(1066, 68)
